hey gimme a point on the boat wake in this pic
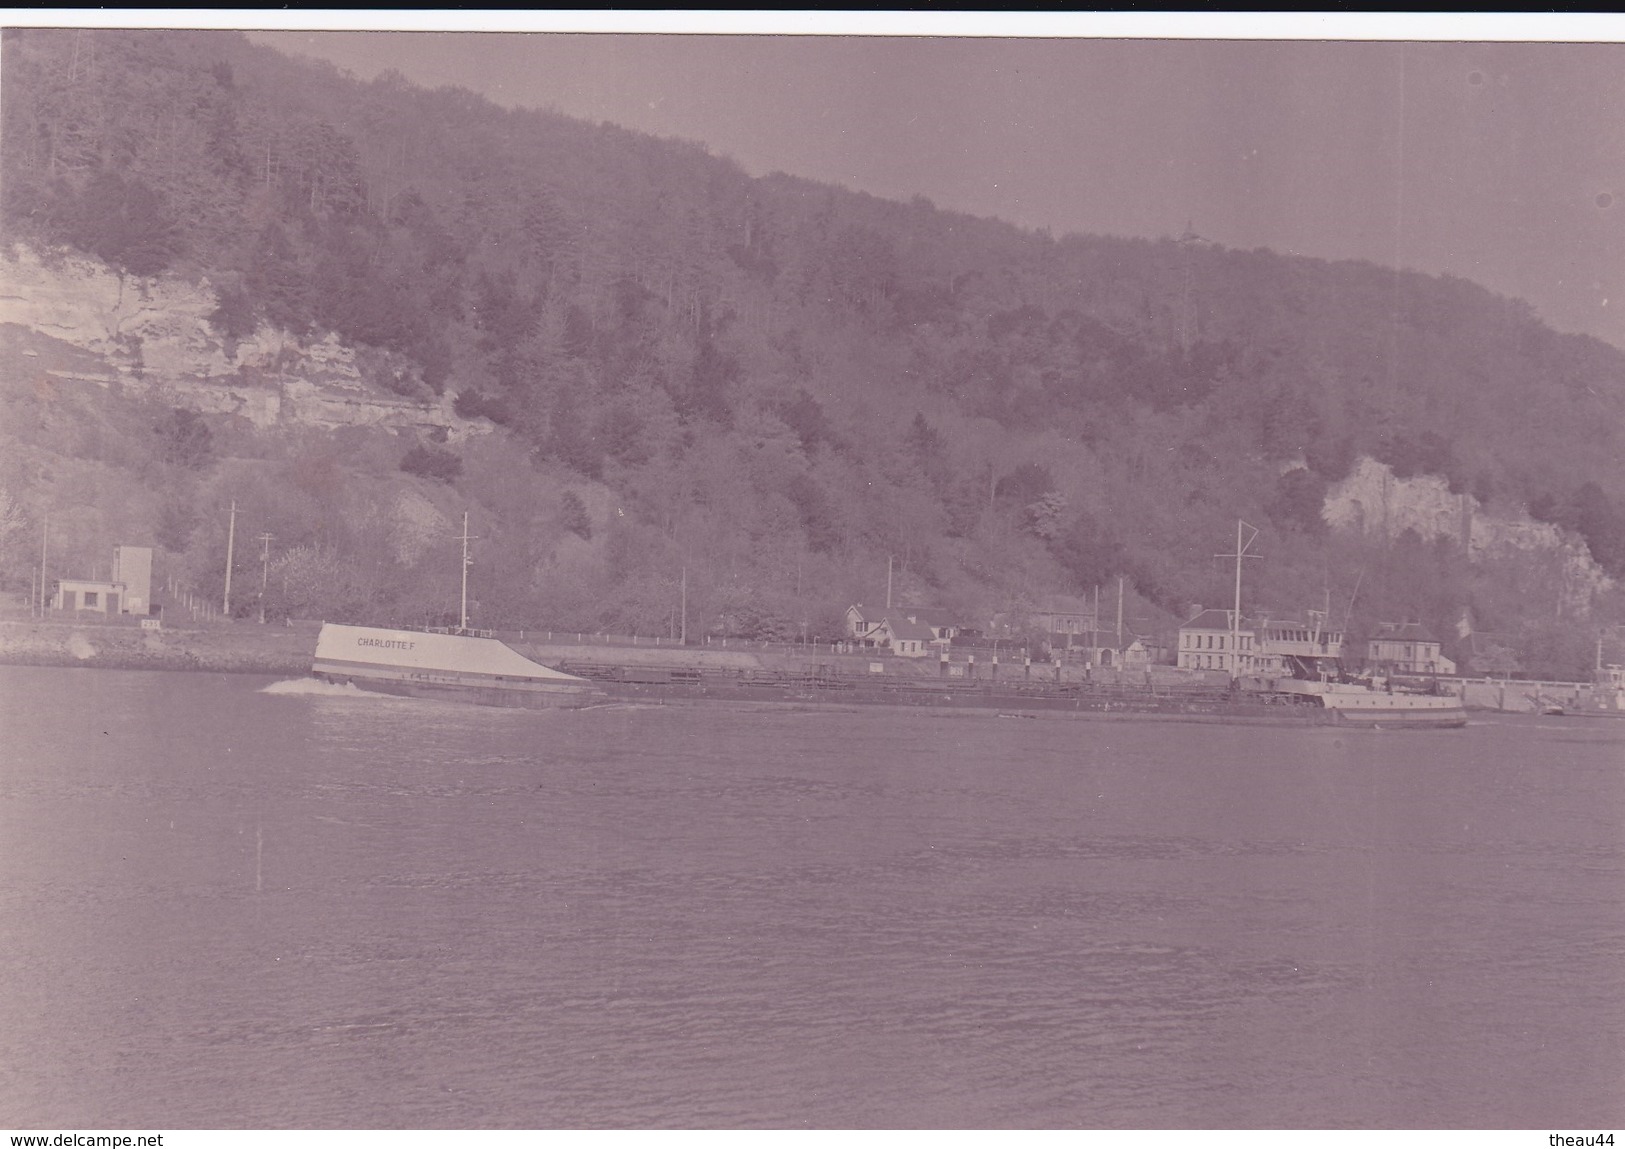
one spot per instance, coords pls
(316, 687)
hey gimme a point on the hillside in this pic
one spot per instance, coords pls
(630, 359)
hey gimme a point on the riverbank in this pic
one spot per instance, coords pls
(249, 648)
(240, 649)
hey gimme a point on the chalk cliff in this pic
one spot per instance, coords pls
(156, 339)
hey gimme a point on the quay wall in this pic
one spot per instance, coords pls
(247, 647)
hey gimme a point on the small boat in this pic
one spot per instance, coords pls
(469, 667)
(461, 664)
(1606, 696)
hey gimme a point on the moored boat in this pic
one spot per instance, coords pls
(1357, 704)
(1606, 697)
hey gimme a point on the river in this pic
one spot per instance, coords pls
(230, 902)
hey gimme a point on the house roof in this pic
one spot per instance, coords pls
(910, 631)
(924, 615)
(1209, 620)
(1404, 632)
(933, 616)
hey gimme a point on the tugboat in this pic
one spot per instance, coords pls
(1320, 682)
(1376, 703)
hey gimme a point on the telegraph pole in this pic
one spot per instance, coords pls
(231, 541)
(463, 626)
(1235, 616)
(683, 633)
(265, 569)
(1119, 613)
(44, 544)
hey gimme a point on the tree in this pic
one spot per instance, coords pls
(431, 462)
(573, 514)
(1042, 516)
(125, 224)
(234, 317)
(1602, 524)
(184, 439)
(1088, 552)
(277, 284)
(1297, 501)
(1026, 484)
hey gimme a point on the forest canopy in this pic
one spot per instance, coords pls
(776, 384)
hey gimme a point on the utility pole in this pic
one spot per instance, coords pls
(1120, 613)
(683, 598)
(462, 626)
(1235, 616)
(888, 582)
(265, 569)
(44, 545)
(231, 542)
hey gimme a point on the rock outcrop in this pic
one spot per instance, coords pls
(1373, 500)
(156, 338)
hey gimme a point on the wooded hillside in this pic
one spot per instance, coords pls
(776, 384)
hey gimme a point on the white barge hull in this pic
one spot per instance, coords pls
(450, 666)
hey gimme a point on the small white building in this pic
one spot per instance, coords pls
(128, 591)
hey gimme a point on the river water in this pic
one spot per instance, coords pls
(227, 902)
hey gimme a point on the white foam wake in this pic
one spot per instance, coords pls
(316, 686)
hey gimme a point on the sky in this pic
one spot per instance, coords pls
(1500, 162)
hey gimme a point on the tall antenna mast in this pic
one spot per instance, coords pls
(1235, 615)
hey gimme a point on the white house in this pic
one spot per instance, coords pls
(128, 591)
(1208, 642)
(904, 624)
(1407, 649)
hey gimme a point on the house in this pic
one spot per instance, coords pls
(1137, 655)
(128, 591)
(1264, 644)
(1208, 642)
(944, 624)
(906, 638)
(1069, 623)
(900, 636)
(1483, 652)
(903, 622)
(1407, 649)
